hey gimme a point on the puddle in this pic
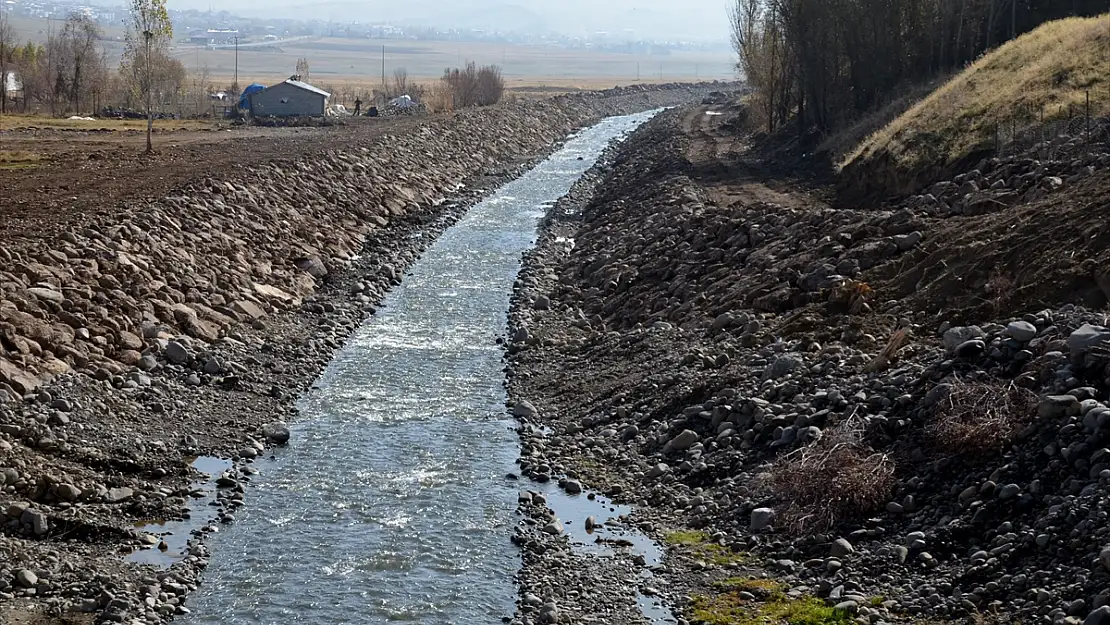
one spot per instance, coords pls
(714, 113)
(200, 512)
(607, 538)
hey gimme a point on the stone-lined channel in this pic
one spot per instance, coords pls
(390, 503)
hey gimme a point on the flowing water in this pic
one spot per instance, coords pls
(390, 503)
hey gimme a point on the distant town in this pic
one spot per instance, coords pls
(220, 28)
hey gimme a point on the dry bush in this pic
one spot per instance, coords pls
(851, 294)
(474, 86)
(417, 91)
(836, 478)
(399, 84)
(1000, 287)
(980, 418)
(491, 85)
(438, 98)
(463, 85)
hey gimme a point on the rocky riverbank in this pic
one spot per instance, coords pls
(718, 356)
(160, 331)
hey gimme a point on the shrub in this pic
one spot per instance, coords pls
(471, 86)
(979, 418)
(491, 86)
(463, 85)
(836, 478)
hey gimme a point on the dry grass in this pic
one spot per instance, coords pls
(19, 159)
(1000, 288)
(897, 341)
(20, 122)
(836, 478)
(1051, 67)
(980, 419)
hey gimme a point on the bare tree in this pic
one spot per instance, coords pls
(78, 67)
(400, 83)
(8, 49)
(758, 40)
(826, 61)
(200, 86)
(30, 63)
(146, 57)
(302, 69)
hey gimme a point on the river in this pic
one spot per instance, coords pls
(391, 503)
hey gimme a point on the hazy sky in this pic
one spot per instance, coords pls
(685, 19)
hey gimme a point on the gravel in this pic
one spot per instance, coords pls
(687, 350)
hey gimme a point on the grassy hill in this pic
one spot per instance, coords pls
(1043, 72)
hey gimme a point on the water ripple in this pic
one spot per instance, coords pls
(390, 504)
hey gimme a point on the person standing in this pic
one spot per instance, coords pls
(358, 105)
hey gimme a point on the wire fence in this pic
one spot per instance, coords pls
(1052, 132)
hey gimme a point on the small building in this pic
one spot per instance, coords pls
(291, 98)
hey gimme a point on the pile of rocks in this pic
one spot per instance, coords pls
(679, 351)
(997, 183)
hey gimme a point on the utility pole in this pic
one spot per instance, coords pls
(236, 64)
(637, 72)
(1013, 19)
(383, 65)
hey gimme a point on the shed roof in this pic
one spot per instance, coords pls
(307, 87)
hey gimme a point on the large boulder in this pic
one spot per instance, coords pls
(1082, 340)
(276, 432)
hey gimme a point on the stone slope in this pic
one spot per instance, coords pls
(221, 252)
(724, 365)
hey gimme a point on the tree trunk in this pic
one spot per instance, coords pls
(149, 123)
(959, 35)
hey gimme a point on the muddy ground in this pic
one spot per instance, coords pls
(88, 171)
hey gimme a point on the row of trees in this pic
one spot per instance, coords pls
(70, 72)
(823, 62)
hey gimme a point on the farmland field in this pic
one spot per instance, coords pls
(357, 63)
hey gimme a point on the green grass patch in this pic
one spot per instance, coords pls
(761, 588)
(699, 545)
(730, 609)
(686, 538)
(22, 121)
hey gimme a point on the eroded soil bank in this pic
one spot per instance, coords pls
(140, 337)
(815, 442)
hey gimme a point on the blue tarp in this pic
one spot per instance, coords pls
(244, 99)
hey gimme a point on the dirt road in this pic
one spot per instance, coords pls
(716, 152)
